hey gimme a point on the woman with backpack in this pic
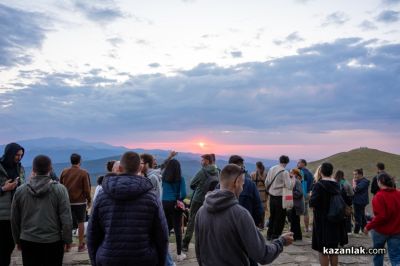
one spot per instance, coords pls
(173, 192)
(385, 226)
(347, 194)
(327, 233)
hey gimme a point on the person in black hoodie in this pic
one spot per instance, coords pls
(326, 234)
(360, 200)
(12, 174)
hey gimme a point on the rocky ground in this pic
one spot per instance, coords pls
(300, 253)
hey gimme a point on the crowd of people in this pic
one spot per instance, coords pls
(138, 203)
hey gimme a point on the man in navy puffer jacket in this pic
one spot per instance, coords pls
(127, 226)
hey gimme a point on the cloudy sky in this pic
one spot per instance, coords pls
(307, 78)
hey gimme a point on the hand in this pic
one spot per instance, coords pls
(67, 248)
(288, 238)
(172, 154)
(365, 231)
(9, 185)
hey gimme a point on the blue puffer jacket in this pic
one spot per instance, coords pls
(361, 192)
(127, 226)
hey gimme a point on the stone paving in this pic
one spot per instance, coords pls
(300, 253)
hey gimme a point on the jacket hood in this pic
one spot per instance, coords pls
(39, 185)
(156, 172)
(9, 153)
(330, 186)
(362, 180)
(219, 200)
(126, 187)
(211, 169)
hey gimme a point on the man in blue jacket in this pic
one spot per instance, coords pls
(127, 226)
(307, 182)
(360, 200)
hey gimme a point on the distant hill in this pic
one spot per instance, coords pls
(364, 158)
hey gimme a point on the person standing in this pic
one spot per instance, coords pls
(347, 194)
(153, 174)
(77, 182)
(360, 199)
(41, 217)
(374, 185)
(325, 233)
(200, 186)
(225, 231)
(12, 174)
(127, 225)
(258, 177)
(298, 205)
(307, 182)
(277, 178)
(385, 225)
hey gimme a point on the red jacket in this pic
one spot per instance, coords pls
(386, 206)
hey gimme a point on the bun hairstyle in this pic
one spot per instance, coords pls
(386, 180)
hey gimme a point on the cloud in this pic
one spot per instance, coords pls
(236, 54)
(367, 25)
(115, 41)
(101, 11)
(347, 84)
(391, 2)
(291, 38)
(19, 31)
(154, 65)
(388, 16)
(337, 18)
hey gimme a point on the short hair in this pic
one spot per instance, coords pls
(339, 175)
(147, 159)
(380, 166)
(110, 165)
(207, 157)
(386, 180)
(130, 162)
(230, 172)
(75, 158)
(326, 169)
(284, 159)
(236, 159)
(303, 161)
(359, 171)
(41, 165)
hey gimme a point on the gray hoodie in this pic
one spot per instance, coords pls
(226, 234)
(41, 212)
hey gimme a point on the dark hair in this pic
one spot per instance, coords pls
(386, 180)
(261, 166)
(339, 175)
(380, 166)
(212, 157)
(284, 159)
(236, 159)
(100, 180)
(359, 171)
(303, 161)
(110, 165)
(75, 158)
(147, 159)
(230, 171)
(172, 172)
(326, 169)
(130, 162)
(41, 165)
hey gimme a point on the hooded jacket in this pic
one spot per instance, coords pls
(199, 182)
(9, 170)
(41, 212)
(226, 234)
(361, 192)
(127, 226)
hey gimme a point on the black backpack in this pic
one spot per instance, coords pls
(337, 206)
(211, 182)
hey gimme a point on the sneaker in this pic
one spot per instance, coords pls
(181, 257)
(82, 247)
(185, 248)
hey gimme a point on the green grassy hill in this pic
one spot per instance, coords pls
(364, 158)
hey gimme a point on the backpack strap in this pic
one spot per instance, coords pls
(281, 171)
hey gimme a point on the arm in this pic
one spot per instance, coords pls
(196, 180)
(297, 190)
(254, 242)
(16, 218)
(64, 213)
(315, 196)
(160, 230)
(289, 181)
(268, 178)
(183, 188)
(87, 189)
(361, 186)
(258, 208)
(380, 215)
(374, 185)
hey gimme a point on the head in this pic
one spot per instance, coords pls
(301, 163)
(109, 165)
(358, 173)
(148, 161)
(326, 169)
(295, 172)
(172, 171)
(41, 165)
(116, 167)
(380, 167)
(385, 181)
(213, 159)
(236, 159)
(260, 167)
(284, 160)
(232, 179)
(13, 154)
(75, 159)
(206, 160)
(339, 175)
(130, 163)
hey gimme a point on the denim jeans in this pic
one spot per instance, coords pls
(169, 261)
(393, 247)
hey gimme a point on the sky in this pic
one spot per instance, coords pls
(306, 78)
